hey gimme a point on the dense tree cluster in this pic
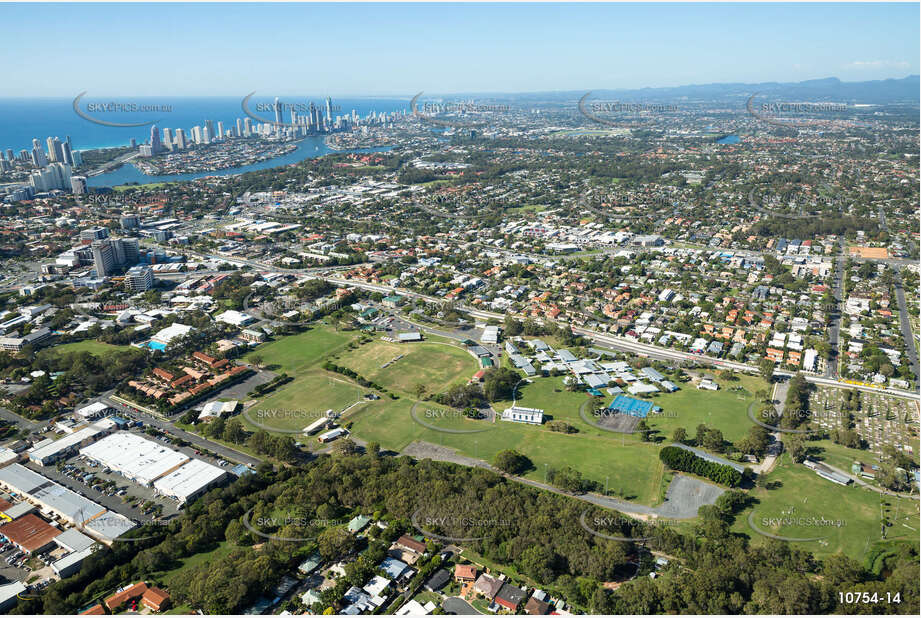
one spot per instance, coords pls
(680, 459)
(79, 375)
(536, 533)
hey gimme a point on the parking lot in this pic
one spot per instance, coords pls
(115, 492)
(73, 472)
(13, 566)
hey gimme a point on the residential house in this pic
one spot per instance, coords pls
(465, 573)
(510, 597)
(488, 586)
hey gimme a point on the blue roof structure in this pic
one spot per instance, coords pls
(631, 406)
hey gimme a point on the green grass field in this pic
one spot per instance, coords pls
(840, 456)
(298, 352)
(629, 466)
(150, 185)
(623, 462)
(725, 409)
(313, 391)
(527, 208)
(92, 346)
(302, 401)
(434, 364)
(803, 494)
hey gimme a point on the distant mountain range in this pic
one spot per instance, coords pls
(885, 91)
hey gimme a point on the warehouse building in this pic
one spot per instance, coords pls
(9, 594)
(190, 480)
(71, 563)
(30, 533)
(170, 472)
(138, 459)
(80, 547)
(73, 540)
(66, 446)
(57, 501)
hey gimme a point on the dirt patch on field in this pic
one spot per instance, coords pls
(426, 450)
(623, 423)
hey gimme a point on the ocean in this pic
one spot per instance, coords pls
(21, 120)
(24, 119)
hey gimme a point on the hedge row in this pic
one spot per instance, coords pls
(680, 459)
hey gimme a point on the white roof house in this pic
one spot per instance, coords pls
(171, 332)
(809, 359)
(217, 409)
(414, 608)
(639, 388)
(490, 334)
(708, 384)
(93, 410)
(234, 318)
(519, 414)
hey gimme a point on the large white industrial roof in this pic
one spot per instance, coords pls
(57, 497)
(134, 457)
(188, 479)
(24, 480)
(64, 443)
(70, 504)
(110, 525)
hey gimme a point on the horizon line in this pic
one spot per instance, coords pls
(481, 92)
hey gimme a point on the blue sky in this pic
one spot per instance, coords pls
(401, 49)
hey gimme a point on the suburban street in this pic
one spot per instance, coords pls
(617, 343)
(910, 344)
(834, 327)
(911, 348)
(200, 442)
(625, 345)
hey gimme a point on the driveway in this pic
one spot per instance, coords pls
(457, 606)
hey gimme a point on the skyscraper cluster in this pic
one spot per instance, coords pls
(112, 254)
(283, 120)
(54, 166)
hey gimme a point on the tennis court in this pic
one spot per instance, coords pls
(631, 406)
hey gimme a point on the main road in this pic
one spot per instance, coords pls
(834, 328)
(614, 342)
(166, 426)
(910, 348)
(634, 347)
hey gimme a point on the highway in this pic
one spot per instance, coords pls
(910, 345)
